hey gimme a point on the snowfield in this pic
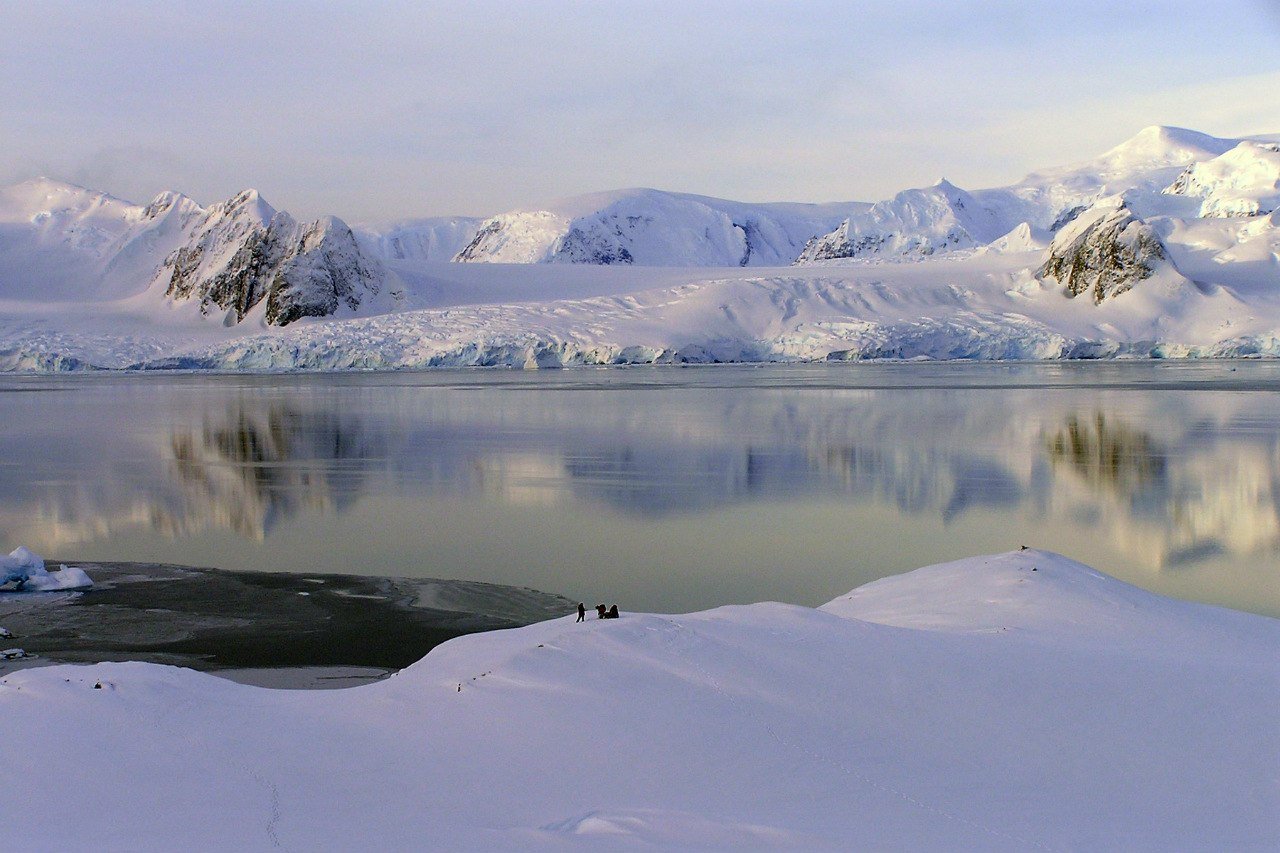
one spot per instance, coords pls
(1012, 702)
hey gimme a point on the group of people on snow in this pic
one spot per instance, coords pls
(601, 612)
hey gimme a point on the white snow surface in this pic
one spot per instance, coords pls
(1245, 181)
(915, 223)
(941, 273)
(430, 239)
(1012, 702)
(27, 571)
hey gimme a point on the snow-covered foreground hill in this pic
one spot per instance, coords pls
(1010, 702)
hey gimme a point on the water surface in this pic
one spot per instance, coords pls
(665, 489)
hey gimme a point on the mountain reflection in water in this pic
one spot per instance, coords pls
(666, 480)
(1109, 456)
(259, 462)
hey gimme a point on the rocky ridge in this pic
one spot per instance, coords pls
(243, 253)
(1104, 253)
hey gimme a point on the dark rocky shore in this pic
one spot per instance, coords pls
(263, 627)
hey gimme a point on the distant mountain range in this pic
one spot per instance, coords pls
(1176, 213)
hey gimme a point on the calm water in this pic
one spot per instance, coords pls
(661, 488)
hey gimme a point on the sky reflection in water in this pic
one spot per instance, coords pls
(665, 489)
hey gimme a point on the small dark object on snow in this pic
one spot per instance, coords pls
(599, 611)
(582, 612)
(97, 686)
(1033, 568)
(1022, 547)
(613, 612)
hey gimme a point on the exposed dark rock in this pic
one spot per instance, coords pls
(1067, 217)
(1103, 255)
(580, 247)
(478, 247)
(243, 253)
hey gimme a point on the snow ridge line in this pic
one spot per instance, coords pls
(844, 768)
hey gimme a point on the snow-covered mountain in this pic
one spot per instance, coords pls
(1172, 236)
(57, 241)
(917, 223)
(1244, 181)
(63, 242)
(415, 240)
(914, 223)
(1147, 163)
(242, 252)
(1104, 252)
(653, 228)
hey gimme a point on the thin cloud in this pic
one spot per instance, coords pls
(381, 111)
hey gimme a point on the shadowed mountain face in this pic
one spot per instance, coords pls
(660, 480)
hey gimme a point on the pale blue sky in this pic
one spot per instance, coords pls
(385, 110)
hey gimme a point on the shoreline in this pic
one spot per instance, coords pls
(274, 629)
(1085, 352)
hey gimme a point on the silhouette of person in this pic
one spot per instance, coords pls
(613, 612)
(582, 612)
(599, 611)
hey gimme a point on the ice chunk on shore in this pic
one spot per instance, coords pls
(28, 572)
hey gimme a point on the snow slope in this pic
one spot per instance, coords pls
(1000, 703)
(56, 240)
(1244, 181)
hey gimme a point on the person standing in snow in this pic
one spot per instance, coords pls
(582, 612)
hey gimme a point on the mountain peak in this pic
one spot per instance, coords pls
(44, 187)
(169, 200)
(1163, 145)
(244, 203)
